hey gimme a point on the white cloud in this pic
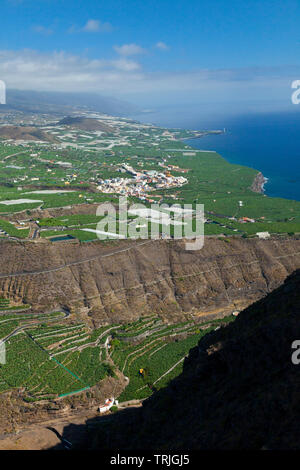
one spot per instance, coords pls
(60, 71)
(125, 64)
(92, 26)
(162, 46)
(32, 70)
(43, 30)
(129, 49)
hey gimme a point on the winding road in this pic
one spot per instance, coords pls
(73, 263)
(29, 325)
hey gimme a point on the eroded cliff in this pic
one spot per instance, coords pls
(108, 282)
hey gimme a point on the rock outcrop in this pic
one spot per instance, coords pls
(258, 183)
(25, 133)
(87, 124)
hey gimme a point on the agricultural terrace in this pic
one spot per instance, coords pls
(48, 356)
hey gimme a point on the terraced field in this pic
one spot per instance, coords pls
(151, 353)
(48, 356)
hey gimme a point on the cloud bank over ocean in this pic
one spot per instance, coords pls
(123, 75)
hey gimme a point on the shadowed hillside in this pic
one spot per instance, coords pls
(238, 390)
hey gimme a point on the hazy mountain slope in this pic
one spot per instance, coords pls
(64, 103)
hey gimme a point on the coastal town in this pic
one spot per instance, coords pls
(49, 162)
(139, 183)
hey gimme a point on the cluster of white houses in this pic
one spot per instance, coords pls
(139, 183)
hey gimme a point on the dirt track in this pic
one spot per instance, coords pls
(38, 437)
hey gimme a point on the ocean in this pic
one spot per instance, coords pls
(268, 142)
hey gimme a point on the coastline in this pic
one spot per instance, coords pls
(201, 134)
(267, 142)
(259, 182)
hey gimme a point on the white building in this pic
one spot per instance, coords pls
(263, 235)
(107, 405)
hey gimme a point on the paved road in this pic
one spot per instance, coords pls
(66, 444)
(74, 263)
(170, 370)
(87, 260)
(87, 345)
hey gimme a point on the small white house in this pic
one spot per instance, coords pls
(107, 405)
(263, 235)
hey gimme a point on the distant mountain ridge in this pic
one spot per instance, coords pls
(64, 103)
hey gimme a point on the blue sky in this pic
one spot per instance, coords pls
(151, 51)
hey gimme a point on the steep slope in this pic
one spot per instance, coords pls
(122, 281)
(239, 388)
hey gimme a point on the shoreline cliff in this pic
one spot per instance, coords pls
(259, 183)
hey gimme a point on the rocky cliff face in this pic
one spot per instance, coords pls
(122, 281)
(239, 388)
(258, 183)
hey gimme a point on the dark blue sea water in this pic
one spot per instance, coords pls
(267, 142)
